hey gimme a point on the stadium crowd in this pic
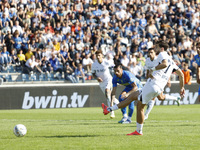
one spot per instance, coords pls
(62, 36)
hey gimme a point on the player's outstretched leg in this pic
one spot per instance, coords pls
(168, 97)
(149, 108)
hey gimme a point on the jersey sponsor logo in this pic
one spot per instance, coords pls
(54, 101)
(101, 70)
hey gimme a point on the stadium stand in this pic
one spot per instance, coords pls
(60, 32)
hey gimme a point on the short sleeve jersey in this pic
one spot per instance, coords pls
(150, 64)
(162, 76)
(102, 70)
(127, 79)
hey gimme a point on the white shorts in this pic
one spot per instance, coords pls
(106, 85)
(150, 90)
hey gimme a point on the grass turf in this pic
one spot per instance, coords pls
(168, 128)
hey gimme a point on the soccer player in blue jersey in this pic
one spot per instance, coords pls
(131, 84)
(197, 60)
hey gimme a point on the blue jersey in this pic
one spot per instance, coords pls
(197, 59)
(127, 79)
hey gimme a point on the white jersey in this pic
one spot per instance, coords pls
(162, 76)
(102, 70)
(150, 64)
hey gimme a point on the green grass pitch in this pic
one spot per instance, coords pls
(168, 128)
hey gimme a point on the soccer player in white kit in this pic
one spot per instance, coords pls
(151, 62)
(153, 87)
(101, 72)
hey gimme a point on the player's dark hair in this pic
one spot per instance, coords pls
(98, 52)
(118, 65)
(151, 49)
(164, 45)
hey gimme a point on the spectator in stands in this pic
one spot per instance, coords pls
(25, 42)
(56, 45)
(125, 61)
(187, 73)
(14, 58)
(69, 73)
(32, 66)
(6, 29)
(5, 18)
(17, 27)
(152, 30)
(17, 40)
(46, 65)
(28, 54)
(76, 61)
(49, 27)
(6, 56)
(87, 63)
(22, 58)
(55, 64)
(80, 74)
(136, 70)
(79, 46)
(124, 23)
(33, 45)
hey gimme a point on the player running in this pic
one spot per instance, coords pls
(151, 62)
(101, 72)
(131, 84)
(153, 87)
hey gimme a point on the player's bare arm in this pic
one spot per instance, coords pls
(113, 94)
(169, 83)
(97, 78)
(181, 80)
(125, 95)
(163, 65)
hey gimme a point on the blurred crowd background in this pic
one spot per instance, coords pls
(58, 38)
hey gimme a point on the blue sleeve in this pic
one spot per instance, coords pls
(131, 78)
(114, 82)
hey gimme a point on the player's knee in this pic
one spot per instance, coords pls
(161, 98)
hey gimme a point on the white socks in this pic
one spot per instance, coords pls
(139, 128)
(108, 102)
(149, 107)
(169, 97)
(114, 107)
(125, 116)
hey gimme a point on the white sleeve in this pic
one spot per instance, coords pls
(175, 67)
(93, 68)
(162, 56)
(147, 67)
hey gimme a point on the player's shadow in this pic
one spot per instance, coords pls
(65, 136)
